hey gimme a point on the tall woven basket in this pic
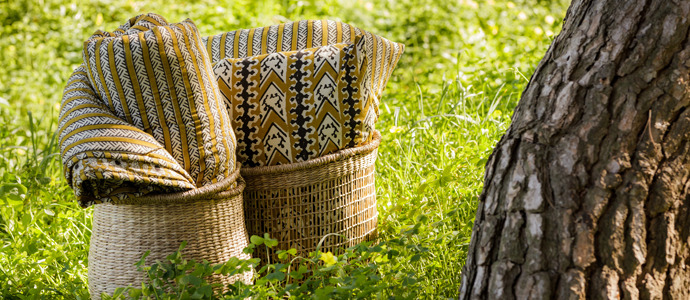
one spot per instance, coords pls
(299, 204)
(210, 219)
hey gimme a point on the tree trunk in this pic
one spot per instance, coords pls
(587, 194)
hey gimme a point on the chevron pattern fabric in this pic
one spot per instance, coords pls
(382, 54)
(147, 111)
(143, 114)
(294, 106)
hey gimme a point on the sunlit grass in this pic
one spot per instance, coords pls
(446, 106)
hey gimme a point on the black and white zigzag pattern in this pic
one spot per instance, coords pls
(382, 55)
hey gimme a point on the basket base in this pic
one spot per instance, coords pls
(331, 200)
(214, 230)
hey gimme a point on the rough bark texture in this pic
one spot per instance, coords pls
(588, 194)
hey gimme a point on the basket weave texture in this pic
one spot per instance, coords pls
(298, 204)
(210, 219)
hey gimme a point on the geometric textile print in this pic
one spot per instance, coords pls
(294, 106)
(143, 114)
(382, 54)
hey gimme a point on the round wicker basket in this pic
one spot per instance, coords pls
(299, 204)
(210, 219)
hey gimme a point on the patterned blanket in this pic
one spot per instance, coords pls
(295, 106)
(144, 113)
(381, 53)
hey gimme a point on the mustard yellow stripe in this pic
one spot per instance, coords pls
(80, 73)
(100, 73)
(236, 44)
(152, 20)
(207, 109)
(99, 33)
(156, 95)
(98, 170)
(111, 139)
(118, 84)
(133, 20)
(190, 99)
(279, 47)
(222, 46)
(295, 31)
(216, 97)
(250, 42)
(80, 106)
(142, 28)
(78, 79)
(99, 126)
(401, 49)
(209, 49)
(175, 102)
(339, 32)
(264, 40)
(73, 81)
(69, 100)
(135, 84)
(324, 32)
(113, 198)
(115, 174)
(310, 34)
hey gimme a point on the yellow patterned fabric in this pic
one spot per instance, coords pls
(294, 106)
(143, 114)
(382, 54)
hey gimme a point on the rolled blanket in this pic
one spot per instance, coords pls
(143, 114)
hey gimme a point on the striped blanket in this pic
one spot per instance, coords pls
(143, 114)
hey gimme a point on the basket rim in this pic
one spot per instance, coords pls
(316, 162)
(218, 190)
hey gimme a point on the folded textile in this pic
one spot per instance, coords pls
(294, 106)
(381, 53)
(143, 114)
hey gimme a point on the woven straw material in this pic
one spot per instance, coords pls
(210, 219)
(301, 203)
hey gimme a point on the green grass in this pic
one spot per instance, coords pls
(447, 104)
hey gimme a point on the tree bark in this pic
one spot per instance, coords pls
(587, 195)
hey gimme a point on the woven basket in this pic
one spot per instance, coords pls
(210, 219)
(298, 204)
